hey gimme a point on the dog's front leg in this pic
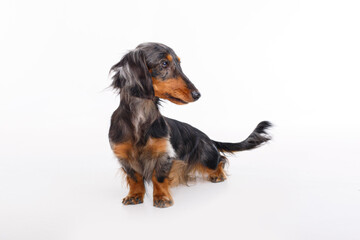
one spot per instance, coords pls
(137, 189)
(160, 180)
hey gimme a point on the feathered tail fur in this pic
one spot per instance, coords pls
(255, 139)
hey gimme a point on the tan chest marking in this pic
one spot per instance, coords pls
(123, 150)
(154, 147)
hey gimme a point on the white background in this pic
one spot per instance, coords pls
(295, 63)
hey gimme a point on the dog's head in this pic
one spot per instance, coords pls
(153, 69)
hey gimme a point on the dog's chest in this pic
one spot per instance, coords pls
(144, 158)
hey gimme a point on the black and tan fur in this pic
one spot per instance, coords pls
(151, 147)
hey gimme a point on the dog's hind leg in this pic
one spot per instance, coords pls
(217, 175)
(137, 189)
(212, 164)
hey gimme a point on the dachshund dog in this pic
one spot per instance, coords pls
(151, 147)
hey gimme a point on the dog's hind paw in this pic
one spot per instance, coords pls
(217, 178)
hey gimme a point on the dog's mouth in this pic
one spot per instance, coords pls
(175, 100)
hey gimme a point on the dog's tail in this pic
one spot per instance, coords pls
(256, 139)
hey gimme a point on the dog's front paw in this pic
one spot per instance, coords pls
(162, 202)
(133, 199)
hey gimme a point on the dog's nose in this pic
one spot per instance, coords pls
(196, 95)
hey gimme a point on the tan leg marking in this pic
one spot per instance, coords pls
(136, 192)
(217, 175)
(162, 197)
(180, 174)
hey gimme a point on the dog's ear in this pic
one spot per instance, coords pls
(132, 74)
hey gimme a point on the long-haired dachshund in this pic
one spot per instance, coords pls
(151, 147)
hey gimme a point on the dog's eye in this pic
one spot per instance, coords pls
(164, 64)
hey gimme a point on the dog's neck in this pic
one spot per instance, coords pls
(142, 112)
